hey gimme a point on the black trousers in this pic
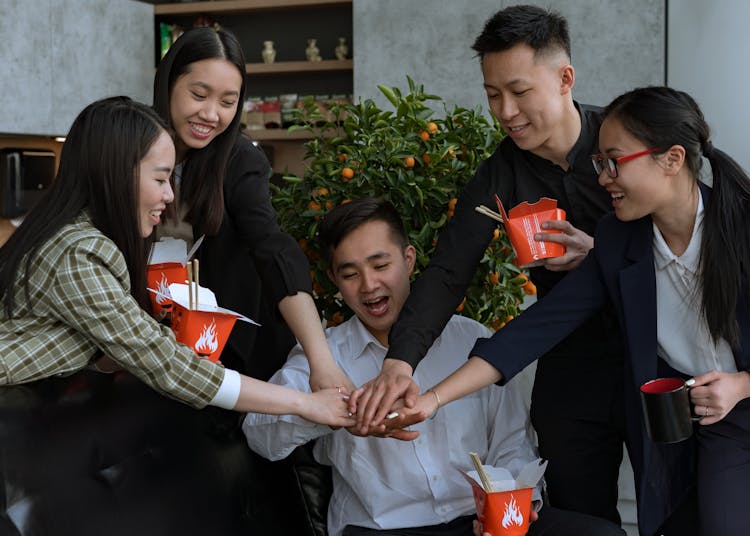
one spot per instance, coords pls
(718, 504)
(551, 522)
(578, 414)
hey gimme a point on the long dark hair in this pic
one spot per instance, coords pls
(99, 173)
(203, 171)
(663, 117)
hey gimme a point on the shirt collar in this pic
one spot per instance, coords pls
(689, 259)
(358, 339)
(586, 144)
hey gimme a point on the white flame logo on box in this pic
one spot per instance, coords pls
(512, 515)
(208, 342)
(162, 290)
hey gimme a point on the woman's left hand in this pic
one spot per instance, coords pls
(716, 393)
(328, 406)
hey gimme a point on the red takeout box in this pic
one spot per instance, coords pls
(205, 326)
(505, 511)
(159, 278)
(523, 222)
(167, 264)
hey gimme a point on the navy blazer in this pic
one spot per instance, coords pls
(620, 270)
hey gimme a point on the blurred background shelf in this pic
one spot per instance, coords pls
(295, 67)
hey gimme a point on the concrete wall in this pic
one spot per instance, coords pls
(56, 56)
(708, 47)
(617, 45)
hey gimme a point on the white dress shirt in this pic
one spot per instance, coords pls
(683, 339)
(386, 483)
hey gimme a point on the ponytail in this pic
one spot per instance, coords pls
(725, 247)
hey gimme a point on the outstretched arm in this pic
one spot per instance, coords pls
(303, 319)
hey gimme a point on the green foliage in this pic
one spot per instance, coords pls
(420, 164)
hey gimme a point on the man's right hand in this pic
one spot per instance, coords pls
(372, 401)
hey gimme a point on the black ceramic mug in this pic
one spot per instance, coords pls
(666, 407)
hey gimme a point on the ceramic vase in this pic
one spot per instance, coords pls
(342, 50)
(268, 53)
(312, 51)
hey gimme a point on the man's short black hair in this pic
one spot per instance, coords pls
(344, 219)
(544, 31)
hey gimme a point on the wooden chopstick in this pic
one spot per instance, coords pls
(190, 284)
(489, 213)
(482, 473)
(197, 281)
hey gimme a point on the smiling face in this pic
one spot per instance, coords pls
(372, 273)
(203, 103)
(642, 184)
(155, 191)
(530, 97)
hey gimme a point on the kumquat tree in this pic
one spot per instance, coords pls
(416, 161)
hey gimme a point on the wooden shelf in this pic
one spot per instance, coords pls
(279, 134)
(293, 67)
(234, 6)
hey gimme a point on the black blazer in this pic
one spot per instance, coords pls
(251, 264)
(619, 270)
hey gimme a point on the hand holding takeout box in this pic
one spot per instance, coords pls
(522, 222)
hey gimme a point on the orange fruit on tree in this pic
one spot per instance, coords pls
(329, 205)
(409, 161)
(345, 201)
(529, 288)
(494, 278)
(497, 324)
(432, 127)
(347, 173)
(496, 234)
(314, 205)
(426, 158)
(424, 135)
(342, 157)
(321, 192)
(461, 305)
(452, 204)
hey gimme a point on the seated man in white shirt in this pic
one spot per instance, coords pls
(385, 486)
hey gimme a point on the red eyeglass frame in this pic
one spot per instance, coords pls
(597, 158)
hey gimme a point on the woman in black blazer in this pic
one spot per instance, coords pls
(222, 191)
(674, 260)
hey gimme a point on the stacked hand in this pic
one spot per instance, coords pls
(378, 397)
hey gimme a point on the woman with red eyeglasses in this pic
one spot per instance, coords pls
(674, 260)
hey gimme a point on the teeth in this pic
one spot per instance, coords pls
(617, 196)
(200, 128)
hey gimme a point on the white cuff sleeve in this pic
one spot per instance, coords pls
(229, 390)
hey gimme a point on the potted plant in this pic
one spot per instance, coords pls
(417, 161)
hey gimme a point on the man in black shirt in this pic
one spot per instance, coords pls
(577, 405)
